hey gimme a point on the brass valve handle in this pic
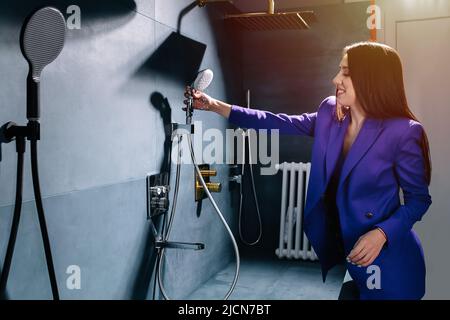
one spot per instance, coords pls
(212, 186)
(208, 173)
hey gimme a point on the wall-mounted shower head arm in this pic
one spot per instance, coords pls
(271, 20)
(202, 3)
(270, 6)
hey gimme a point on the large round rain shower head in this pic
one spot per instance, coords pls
(42, 39)
(262, 21)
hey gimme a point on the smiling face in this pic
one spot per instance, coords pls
(345, 92)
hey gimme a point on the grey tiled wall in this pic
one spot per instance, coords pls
(101, 135)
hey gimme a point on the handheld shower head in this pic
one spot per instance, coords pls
(42, 39)
(203, 80)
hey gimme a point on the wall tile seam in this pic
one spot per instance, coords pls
(155, 20)
(61, 194)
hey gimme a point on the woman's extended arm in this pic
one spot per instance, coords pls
(222, 108)
(303, 124)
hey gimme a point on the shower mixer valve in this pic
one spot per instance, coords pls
(158, 204)
(157, 194)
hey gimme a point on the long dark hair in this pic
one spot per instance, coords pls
(377, 75)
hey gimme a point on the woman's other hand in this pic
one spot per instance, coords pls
(367, 248)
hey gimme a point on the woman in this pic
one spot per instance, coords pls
(367, 145)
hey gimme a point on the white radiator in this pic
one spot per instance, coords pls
(293, 241)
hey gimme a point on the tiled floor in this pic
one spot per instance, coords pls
(273, 279)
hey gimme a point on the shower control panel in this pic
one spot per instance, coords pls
(157, 194)
(206, 172)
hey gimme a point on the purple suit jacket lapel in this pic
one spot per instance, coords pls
(335, 143)
(367, 136)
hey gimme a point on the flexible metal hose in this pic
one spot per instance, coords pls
(42, 223)
(219, 213)
(14, 226)
(166, 233)
(241, 199)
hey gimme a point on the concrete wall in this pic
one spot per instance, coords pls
(292, 72)
(102, 132)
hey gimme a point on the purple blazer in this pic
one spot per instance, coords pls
(385, 156)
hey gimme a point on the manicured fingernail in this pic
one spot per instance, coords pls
(359, 266)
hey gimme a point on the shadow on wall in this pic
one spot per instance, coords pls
(147, 262)
(117, 13)
(146, 265)
(178, 58)
(161, 104)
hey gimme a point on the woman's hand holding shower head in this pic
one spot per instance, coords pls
(202, 101)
